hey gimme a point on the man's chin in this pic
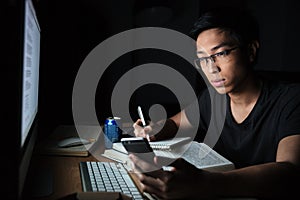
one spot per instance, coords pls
(220, 90)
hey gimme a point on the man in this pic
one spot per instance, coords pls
(262, 124)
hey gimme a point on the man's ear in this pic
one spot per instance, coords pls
(252, 50)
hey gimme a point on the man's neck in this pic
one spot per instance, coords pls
(243, 100)
(248, 93)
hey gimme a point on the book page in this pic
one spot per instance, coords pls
(204, 157)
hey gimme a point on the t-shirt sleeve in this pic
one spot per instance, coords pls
(290, 117)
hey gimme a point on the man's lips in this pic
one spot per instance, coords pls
(218, 82)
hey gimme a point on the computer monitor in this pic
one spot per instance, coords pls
(30, 83)
(20, 93)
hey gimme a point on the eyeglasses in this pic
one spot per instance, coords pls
(222, 56)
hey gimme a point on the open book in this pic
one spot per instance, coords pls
(198, 154)
(204, 157)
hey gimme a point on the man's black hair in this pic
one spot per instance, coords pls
(240, 23)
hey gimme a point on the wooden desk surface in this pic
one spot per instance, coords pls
(66, 174)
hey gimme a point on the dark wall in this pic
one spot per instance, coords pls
(279, 25)
(71, 29)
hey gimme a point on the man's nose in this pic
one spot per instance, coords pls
(213, 67)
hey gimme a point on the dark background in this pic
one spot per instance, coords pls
(71, 29)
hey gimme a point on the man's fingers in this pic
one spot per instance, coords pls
(140, 131)
(144, 162)
(151, 185)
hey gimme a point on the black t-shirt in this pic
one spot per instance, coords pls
(255, 140)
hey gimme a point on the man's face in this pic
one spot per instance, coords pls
(226, 68)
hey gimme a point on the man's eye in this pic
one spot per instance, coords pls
(222, 53)
(204, 59)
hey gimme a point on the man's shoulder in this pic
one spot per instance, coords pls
(281, 87)
(283, 92)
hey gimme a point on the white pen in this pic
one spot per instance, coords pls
(141, 116)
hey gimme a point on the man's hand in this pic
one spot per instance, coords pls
(148, 131)
(161, 130)
(182, 180)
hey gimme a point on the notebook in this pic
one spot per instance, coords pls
(164, 145)
(169, 145)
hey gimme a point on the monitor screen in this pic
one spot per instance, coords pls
(30, 73)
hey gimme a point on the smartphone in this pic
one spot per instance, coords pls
(136, 145)
(140, 147)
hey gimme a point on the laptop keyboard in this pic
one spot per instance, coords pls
(107, 177)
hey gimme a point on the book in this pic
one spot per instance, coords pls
(51, 148)
(50, 145)
(198, 154)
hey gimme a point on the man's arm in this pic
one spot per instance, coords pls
(267, 180)
(181, 120)
(276, 179)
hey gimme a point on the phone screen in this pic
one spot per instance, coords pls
(136, 145)
(140, 147)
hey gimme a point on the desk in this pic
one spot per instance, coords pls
(66, 174)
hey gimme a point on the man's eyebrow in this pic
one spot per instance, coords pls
(221, 45)
(200, 52)
(217, 47)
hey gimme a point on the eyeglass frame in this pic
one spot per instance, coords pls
(214, 56)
